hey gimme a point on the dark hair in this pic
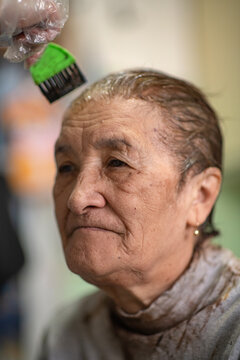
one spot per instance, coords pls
(192, 128)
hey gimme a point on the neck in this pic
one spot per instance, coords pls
(138, 291)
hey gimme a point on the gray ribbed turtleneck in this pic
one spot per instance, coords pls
(198, 318)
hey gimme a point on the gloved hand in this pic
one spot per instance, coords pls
(26, 26)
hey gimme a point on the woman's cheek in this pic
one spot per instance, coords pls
(125, 180)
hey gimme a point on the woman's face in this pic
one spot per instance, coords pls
(116, 193)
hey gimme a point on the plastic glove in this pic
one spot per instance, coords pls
(26, 26)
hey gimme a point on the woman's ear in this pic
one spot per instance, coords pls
(206, 187)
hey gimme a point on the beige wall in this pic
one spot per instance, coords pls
(222, 69)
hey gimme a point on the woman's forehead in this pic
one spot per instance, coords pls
(129, 115)
(132, 123)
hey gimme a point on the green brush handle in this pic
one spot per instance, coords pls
(54, 59)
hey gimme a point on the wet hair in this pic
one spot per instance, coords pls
(192, 132)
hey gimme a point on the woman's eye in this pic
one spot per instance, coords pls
(116, 163)
(65, 168)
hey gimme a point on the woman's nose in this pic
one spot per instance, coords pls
(86, 194)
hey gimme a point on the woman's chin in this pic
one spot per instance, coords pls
(93, 269)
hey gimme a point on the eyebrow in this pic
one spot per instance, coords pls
(112, 143)
(62, 149)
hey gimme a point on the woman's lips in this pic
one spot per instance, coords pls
(92, 228)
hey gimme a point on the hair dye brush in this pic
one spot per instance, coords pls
(56, 72)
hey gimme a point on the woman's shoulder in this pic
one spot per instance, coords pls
(217, 325)
(79, 310)
(70, 329)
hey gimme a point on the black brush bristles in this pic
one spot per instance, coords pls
(62, 83)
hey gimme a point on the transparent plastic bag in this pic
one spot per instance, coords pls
(26, 26)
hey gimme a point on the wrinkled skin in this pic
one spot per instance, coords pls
(123, 222)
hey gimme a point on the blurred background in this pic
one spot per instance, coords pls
(197, 40)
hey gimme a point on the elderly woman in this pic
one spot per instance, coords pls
(139, 162)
